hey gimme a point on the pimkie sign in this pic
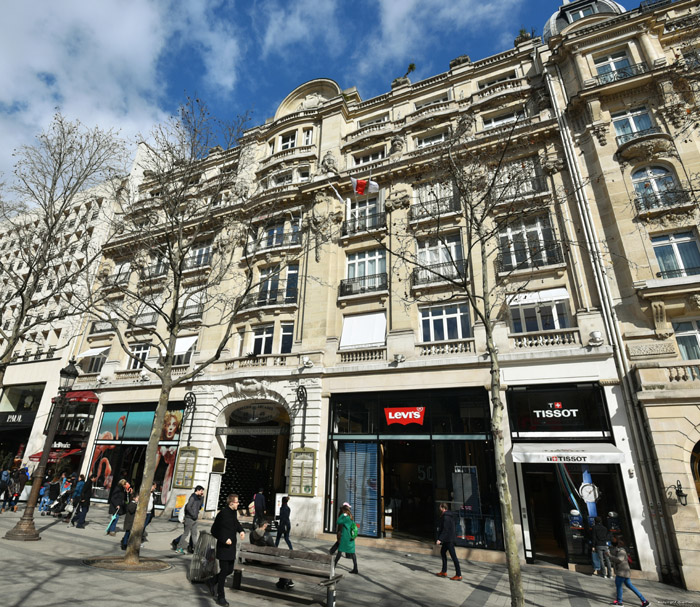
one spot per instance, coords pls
(404, 415)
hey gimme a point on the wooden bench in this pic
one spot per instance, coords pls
(297, 565)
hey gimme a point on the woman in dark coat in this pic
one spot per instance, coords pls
(226, 529)
(447, 537)
(285, 524)
(117, 504)
(129, 520)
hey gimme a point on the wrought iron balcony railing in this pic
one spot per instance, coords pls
(678, 273)
(621, 73)
(198, 261)
(364, 223)
(147, 319)
(155, 270)
(279, 295)
(363, 284)
(273, 241)
(651, 200)
(434, 208)
(520, 188)
(626, 137)
(551, 254)
(100, 326)
(439, 272)
(191, 312)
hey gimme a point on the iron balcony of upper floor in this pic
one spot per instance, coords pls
(363, 284)
(364, 223)
(652, 201)
(450, 271)
(621, 73)
(278, 296)
(627, 137)
(278, 240)
(678, 273)
(435, 208)
(532, 259)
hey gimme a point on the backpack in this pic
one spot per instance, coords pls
(353, 529)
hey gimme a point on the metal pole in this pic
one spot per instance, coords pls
(25, 530)
(190, 408)
(302, 397)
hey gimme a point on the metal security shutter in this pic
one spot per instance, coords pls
(357, 484)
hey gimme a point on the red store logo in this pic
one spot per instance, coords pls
(405, 415)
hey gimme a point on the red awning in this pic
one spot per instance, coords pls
(81, 396)
(55, 454)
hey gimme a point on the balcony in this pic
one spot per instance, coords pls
(447, 348)
(655, 201)
(434, 209)
(301, 151)
(363, 284)
(148, 319)
(116, 280)
(100, 326)
(678, 273)
(439, 272)
(362, 356)
(257, 361)
(277, 240)
(545, 339)
(621, 73)
(627, 137)
(272, 295)
(191, 313)
(364, 224)
(519, 260)
(520, 188)
(153, 271)
(195, 262)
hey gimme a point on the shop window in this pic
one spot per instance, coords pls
(678, 254)
(441, 323)
(357, 484)
(528, 243)
(695, 466)
(352, 415)
(21, 398)
(287, 337)
(688, 339)
(139, 353)
(262, 340)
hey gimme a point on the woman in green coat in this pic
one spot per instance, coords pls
(347, 542)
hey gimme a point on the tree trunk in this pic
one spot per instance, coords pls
(149, 470)
(517, 597)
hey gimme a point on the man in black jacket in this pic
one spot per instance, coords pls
(226, 529)
(447, 537)
(191, 515)
(84, 504)
(601, 537)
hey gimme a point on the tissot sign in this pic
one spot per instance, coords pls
(555, 409)
(404, 415)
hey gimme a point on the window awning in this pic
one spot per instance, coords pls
(93, 352)
(80, 396)
(535, 297)
(55, 454)
(183, 344)
(364, 330)
(556, 453)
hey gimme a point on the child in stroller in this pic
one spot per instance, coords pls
(58, 509)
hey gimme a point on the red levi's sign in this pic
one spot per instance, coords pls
(405, 415)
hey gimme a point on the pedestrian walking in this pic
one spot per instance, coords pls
(227, 530)
(260, 507)
(285, 524)
(77, 490)
(151, 509)
(118, 500)
(601, 537)
(81, 511)
(5, 489)
(347, 531)
(192, 508)
(334, 547)
(130, 512)
(447, 537)
(621, 562)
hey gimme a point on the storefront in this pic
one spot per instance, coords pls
(395, 456)
(120, 447)
(568, 471)
(18, 408)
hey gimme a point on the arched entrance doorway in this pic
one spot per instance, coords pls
(257, 447)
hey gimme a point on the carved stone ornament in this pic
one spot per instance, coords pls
(552, 164)
(329, 163)
(397, 145)
(311, 101)
(657, 349)
(461, 60)
(648, 150)
(662, 328)
(400, 81)
(694, 301)
(251, 388)
(397, 199)
(600, 132)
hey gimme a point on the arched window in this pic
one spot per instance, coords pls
(656, 187)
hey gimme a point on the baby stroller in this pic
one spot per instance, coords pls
(62, 505)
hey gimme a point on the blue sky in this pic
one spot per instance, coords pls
(128, 63)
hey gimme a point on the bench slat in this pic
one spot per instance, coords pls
(288, 554)
(321, 568)
(297, 576)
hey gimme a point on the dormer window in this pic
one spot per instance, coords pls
(288, 141)
(580, 13)
(373, 120)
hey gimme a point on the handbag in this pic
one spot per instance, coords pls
(69, 509)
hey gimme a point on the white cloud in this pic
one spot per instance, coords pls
(101, 62)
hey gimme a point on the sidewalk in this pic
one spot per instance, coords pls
(50, 572)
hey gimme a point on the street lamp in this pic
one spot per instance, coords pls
(25, 530)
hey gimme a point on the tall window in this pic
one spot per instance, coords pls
(94, 364)
(290, 294)
(688, 338)
(139, 352)
(366, 263)
(283, 178)
(184, 359)
(288, 140)
(287, 337)
(440, 257)
(308, 136)
(273, 236)
(269, 285)
(543, 316)
(440, 323)
(612, 67)
(656, 187)
(363, 215)
(678, 254)
(528, 243)
(262, 339)
(201, 256)
(630, 123)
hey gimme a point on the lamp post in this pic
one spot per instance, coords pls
(25, 530)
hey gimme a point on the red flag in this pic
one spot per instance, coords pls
(364, 185)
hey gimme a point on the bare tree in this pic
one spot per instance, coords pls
(187, 237)
(494, 190)
(50, 233)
